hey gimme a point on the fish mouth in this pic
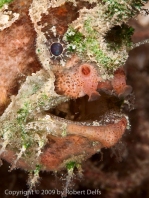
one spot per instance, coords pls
(105, 110)
(82, 129)
(101, 120)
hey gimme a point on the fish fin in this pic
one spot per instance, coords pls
(126, 91)
(94, 96)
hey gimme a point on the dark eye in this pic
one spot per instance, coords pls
(56, 49)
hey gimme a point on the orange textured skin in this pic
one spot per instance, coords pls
(60, 149)
(78, 81)
(17, 52)
(107, 135)
(3, 96)
(119, 83)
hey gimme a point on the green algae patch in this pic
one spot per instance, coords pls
(2, 2)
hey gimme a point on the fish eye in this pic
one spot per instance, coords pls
(56, 49)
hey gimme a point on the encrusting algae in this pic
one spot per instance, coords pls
(47, 61)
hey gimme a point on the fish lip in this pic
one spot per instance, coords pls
(107, 134)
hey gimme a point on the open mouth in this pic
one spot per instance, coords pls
(83, 128)
(100, 120)
(105, 110)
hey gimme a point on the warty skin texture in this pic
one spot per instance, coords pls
(18, 42)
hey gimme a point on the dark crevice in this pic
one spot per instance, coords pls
(83, 110)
